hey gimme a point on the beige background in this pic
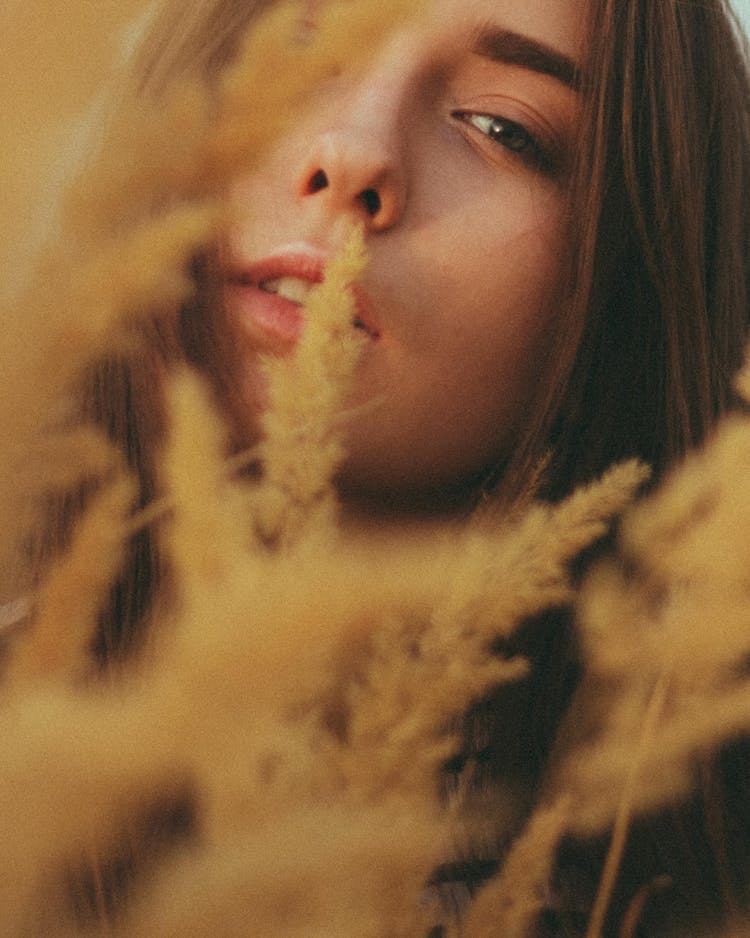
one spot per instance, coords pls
(56, 56)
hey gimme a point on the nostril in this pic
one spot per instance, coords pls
(318, 181)
(371, 201)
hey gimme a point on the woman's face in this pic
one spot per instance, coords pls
(453, 149)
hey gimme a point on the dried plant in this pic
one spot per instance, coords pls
(270, 763)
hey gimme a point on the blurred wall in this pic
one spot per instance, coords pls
(743, 9)
(55, 55)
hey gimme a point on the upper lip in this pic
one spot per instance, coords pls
(304, 265)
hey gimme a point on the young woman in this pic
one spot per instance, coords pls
(556, 206)
(612, 160)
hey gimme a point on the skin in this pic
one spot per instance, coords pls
(466, 238)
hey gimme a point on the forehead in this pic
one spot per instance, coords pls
(560, 24)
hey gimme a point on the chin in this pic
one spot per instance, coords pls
(388, 492)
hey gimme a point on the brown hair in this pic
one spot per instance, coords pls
(656, 325)
(660, 269)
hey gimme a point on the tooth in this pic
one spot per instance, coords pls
(290, 288)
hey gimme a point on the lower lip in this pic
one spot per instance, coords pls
(273, 324)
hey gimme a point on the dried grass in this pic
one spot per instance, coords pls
(302, 688)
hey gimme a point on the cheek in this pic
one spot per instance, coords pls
(499, 288)
(434, 418)
(445, 397)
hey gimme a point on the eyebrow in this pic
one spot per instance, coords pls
(501, 45)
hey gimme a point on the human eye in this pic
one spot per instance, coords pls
(514, 137)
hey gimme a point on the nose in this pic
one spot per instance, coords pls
(353, 172)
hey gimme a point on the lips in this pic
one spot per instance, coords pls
(266, 299)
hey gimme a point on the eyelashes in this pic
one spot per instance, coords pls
(513, 137)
